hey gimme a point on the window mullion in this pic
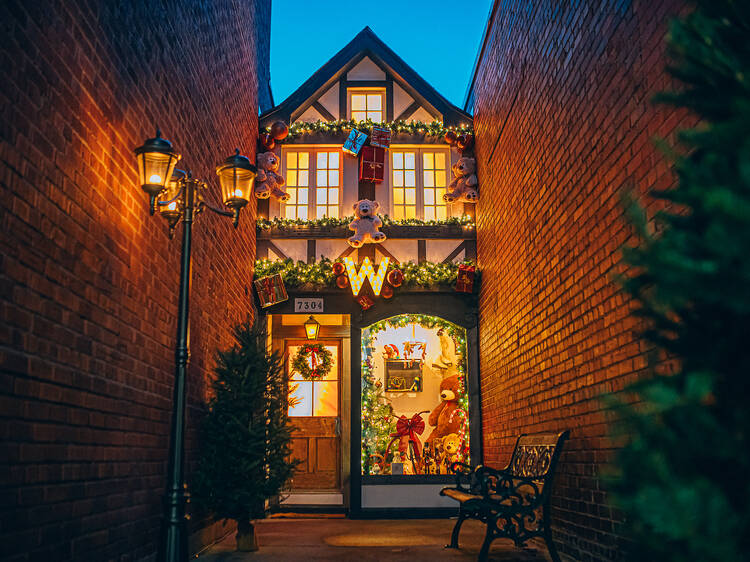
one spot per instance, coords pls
(419, 183)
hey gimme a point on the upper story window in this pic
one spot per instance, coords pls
(297, 184)
(418, 180)
(367, 104)
(324, 166)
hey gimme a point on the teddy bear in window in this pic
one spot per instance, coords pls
(463, 187)
(366, 224)
(268, 183)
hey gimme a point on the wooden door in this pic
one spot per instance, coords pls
(315, 415)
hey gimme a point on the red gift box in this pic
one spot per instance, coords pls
(372, 164)
(465, 279)
(381, 137)
(271, 290)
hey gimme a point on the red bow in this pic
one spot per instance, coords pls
(407, 430)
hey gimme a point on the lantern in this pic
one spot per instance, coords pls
(156, 161)
(312, 327)
(236, 175)
(172, 199)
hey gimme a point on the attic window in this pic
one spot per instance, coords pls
(367, 104)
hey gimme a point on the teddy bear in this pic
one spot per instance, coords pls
(444, 417)
(365, 224)
(463, 187)
(451, 447)
(267, 182)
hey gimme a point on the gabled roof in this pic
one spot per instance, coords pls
(366, 44)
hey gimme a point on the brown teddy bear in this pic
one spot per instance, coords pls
(268, 183)
(451, 447)
(464, 183)
(444, 417)
(365, 224)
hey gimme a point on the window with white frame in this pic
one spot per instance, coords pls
(327, 183)
(297, 184)
(324, 166)
(367, 104)
(418, 181)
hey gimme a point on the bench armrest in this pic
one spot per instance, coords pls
(480, 481)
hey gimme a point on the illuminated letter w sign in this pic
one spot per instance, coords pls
(357, 278)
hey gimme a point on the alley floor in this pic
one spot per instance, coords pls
(403, 540)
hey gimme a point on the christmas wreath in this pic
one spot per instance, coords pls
(312, 361)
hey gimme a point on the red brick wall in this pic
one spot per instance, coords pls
(563, 121)
(88, 280)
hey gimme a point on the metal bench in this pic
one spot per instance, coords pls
(512, 502)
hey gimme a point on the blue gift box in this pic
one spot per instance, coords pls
(354, 142)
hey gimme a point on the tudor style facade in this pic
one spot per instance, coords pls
(345, 420)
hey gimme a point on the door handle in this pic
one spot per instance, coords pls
(338, 427)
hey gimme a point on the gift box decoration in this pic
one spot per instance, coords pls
(271, 290)
(380, 137)
(365, 302)
(372, 164)
(465, 279)
(354, 142)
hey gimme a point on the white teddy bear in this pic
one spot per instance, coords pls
(366, 224)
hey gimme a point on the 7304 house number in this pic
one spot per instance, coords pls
(308, 305)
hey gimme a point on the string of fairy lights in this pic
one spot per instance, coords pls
(432, 129)
(465, 221)
(320, 273)
(378, 420)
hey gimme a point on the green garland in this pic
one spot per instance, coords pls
(299, 363)
(267, 224)
(320, 273)
(434, 129)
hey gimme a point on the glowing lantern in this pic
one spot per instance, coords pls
(312, 327)
(156, 161)
(236, 175)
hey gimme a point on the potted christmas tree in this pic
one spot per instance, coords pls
(245, 437)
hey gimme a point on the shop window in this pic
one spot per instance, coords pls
(404, 177)
(313, 398)
(324, 166)
(297, 184)
(413, 365)
(367, 104)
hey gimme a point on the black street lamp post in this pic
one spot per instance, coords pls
(179, 197)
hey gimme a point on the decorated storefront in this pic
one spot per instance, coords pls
(366, 282)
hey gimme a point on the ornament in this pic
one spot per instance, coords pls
(465, 279)
(372, 164)
(451, 138)
(386, 292)
(271, 290)
(279, 130)
(465, 142)
(380, 137)
(365, 302)
(406, 433)
(312, 361)
(395, 277)
(354, 142)
(342, 281)
(338, 268)
(267, 141)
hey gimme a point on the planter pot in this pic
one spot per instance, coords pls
(246, 539)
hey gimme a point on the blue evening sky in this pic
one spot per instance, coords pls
(437, 38)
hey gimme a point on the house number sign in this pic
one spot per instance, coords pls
(308, 305)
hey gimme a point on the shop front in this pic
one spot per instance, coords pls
(383, 400)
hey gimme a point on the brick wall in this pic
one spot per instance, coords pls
(88, 280)
(563, 121)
